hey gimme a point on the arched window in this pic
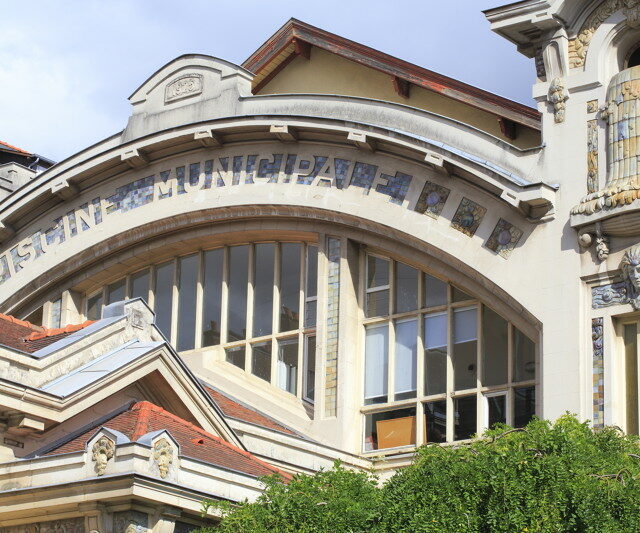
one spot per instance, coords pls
(634, 58)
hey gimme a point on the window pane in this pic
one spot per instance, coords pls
(164, 297)
(377, 272)
(187, 283)
(116, 291)
(435, 353)
(524, 405)
(406, 360)
(288, 365)
(465, 421)
(261, 360)
(238, 279)
(94, 307)
(390, 429)
(406, 288)
(290, 286)
(378, 303)
(435, 423)
(236, 356)
(459, 296)
(495, 345)
(263, 289)
(465, 339)
(212, 297)
(496, 410)
(311, 293)
(376, 364)
(525, 357)
(435, 291)
(631, 377)
(56, 313)
(310, 368)
(140, 285)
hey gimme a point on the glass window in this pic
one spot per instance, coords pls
(376, 364)
(212, 297)
(309, 368)
(390, 429)
(290, 286)
(288, 365)
(238, 279)
(631, 377)
(435, 353)
(465, 421)
(163, 301)
(236, 356)
(495, 348)
(187, 286)
(94, 307)
(377, 286)
(459, 296)
(524, 405)
(36, 317)
(406, 288)
(435, 421)
(116, 292)
(406, 358)
(56, 313)
(435, 291)
(525, 357)
(140, 285)
(496, 409)
(465, 343)
(261, 360)
(311, 294)
(263, 280)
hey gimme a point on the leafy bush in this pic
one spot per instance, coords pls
(560, 477)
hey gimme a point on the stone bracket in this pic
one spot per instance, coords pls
(284, 133)
(362, 140)
(135, 158)
(6, 231)
(208, 139)
(64, 189)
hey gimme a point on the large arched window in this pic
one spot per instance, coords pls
(439, 365)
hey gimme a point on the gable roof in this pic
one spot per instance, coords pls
(295, 38)
(29, 338)
(6, 147)
(141, 418)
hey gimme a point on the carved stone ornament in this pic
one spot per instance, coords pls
(630, 266)
(558, 95)
(103, 450)
(163, 456)
(183, 87)
(578, 47)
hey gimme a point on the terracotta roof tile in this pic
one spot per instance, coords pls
(196, 443)
(233, 409)
(27, 337)
(7, 146)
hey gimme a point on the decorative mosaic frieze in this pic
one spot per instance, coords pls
(504, 238)
(468, 217)
(432, 199)
(598, 372)
(592, 156)
(66, 525)
(333, 329)
(608, 295)
(130, 522)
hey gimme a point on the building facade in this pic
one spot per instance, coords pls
(325, 253)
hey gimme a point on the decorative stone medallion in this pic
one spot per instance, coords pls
(183, 87)
(163, 456)
(504, 238)
(468, 217)
(103, 450)
(432, 199)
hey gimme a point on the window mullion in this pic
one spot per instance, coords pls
(199, 301)
(152, 288)
(174, 303)
(224, 300)
(276, 312)
(301, 319)
(481, 406)
(450, 402)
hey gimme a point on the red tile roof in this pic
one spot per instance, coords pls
(233, 409)
(144, 417)
(27, 337)
(8, 147)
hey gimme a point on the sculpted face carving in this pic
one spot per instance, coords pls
(163, 455)
(103, 450)
(630, 266)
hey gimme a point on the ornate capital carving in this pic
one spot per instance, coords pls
(163, 456)
(103, 450)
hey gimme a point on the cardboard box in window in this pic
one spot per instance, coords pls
(396, 432)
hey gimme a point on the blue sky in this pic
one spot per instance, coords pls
(67, 68)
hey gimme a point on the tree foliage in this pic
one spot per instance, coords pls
(560, 477)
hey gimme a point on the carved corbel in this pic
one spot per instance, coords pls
(163, 456)
(103, 450)
(135, 158)
(587, 238)
(284, 133)
(362, 140)
(557, 97)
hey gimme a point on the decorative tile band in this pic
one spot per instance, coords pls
(432, 199)
(468, 217)
(592, 156)
(611, 294)
(504, 238)
(598, 372)
(333, 327)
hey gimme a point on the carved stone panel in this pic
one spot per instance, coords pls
(504, 238)
(432, 199)
(163, 456)
(468, 217)
(103, 450)
(66, 525)
(183, 87)
(130, 522)
(608, 295)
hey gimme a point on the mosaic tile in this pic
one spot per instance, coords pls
(289, 167)
(597, 331)
(468, 217)
(432, 199)
(504, 238)
(608, 295)
(270, 168)
(319, 163)
(397, 186)
(363, 175)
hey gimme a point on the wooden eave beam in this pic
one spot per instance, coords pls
(402, 87)
(302, 48)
